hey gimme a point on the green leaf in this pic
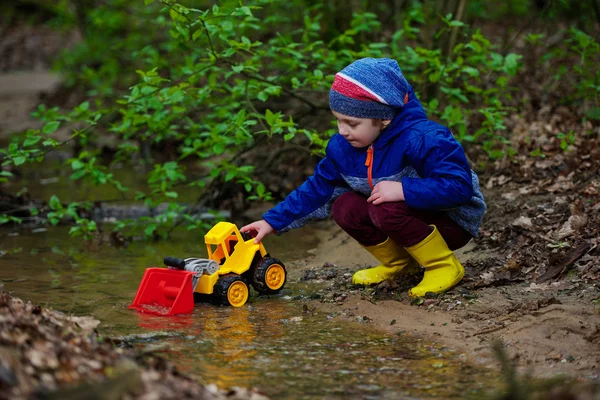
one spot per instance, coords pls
(471, 71)
(50, 127)
(270, 117)
(54, 203)
(30, 141)
(241, 116)
(150, 229)
(246, 10)
(146, 2)
(78, 174)
(511, 63)
(218, 148)
(171, 174)
(433, 104)
(230, 175)
(229, 52)
(476, 47)
(263, 96)
(77, 165)
(197, 34)
(18, 160)
(172, 195)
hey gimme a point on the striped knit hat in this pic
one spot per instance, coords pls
(369, 88)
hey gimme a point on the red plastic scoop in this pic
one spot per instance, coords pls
(165, 292)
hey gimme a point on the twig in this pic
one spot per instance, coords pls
(287, 91)
(511, 42)
(254, 110)
(454, 34)
(486, 331)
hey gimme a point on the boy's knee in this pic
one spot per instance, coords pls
(345, 206)
(386, 216)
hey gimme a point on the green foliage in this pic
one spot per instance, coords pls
(586, 70)
(463, 84)
(566, 139)
(213, 83)
(577, 75)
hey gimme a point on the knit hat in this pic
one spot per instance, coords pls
(369, 88)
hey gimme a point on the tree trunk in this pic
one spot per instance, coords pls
(459, 15)
(82, 10)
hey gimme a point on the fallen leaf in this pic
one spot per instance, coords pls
(523, 222)
(85, 323)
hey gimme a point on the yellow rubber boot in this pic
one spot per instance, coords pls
(442, 268)
(393, 259)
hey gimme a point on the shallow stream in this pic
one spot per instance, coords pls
(271, 343)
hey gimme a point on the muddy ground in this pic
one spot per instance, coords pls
(548, 328)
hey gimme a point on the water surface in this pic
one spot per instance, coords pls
(271, 343)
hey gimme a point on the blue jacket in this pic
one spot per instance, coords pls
(420, 153)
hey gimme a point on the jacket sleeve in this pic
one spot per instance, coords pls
(312, 200)
(446, 180)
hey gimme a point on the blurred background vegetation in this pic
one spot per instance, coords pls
(216, 104)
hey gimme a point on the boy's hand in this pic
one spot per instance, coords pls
(386, 192)
(258, 229)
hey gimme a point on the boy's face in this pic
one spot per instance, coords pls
(359, 132)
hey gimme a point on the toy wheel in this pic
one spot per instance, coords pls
(269, 276)
(232, 289)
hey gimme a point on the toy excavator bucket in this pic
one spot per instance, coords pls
(165, 292)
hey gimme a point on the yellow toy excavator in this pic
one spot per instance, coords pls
(234, 262)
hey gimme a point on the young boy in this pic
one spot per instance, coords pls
(395, 181)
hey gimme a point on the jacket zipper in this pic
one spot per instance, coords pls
(369, 165)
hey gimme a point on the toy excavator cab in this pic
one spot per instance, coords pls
(234, 263)
(221, 243)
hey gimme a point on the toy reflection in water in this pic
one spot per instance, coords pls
(220, 345)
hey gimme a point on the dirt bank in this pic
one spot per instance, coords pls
(19, 95)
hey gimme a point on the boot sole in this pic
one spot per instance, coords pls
(453, 283)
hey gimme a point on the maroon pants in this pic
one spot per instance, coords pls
(372, 224)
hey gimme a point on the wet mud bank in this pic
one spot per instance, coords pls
(547, 329)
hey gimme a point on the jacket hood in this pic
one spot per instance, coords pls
(410, 114)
